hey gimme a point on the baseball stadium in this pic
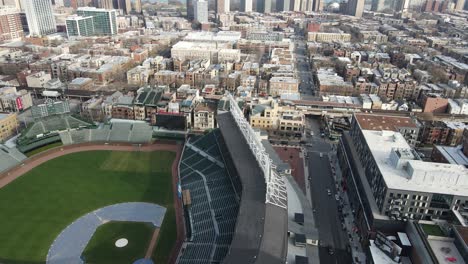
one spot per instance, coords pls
(113, 194)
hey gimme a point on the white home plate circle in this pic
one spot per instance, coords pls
(121, 242)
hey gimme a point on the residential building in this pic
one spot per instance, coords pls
(406, 126)
(41, 20)
(264, 36)
(434, 104)
(329, 82)
(14, 101)
(328, 37)
(201, 11)
(78, 26)
(123, 108)
(15, 3)
(278, 121)
(104, 21)
(282, 85)
(81, 83)
(387, 182)
(139, 76)
(38, 80)
(10, 24)
(204, 117)
(216, 53)
(8, 125)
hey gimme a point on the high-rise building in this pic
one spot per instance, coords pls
(296, 5)
(304, 5)
(201, 11)
(317, 5)
(190, 10)
(355, 8)
(79, 26)
(136, 6)
(223, 6)
(459, 5)
(268, 8)
(125, 5)
(41, 20)
(106, 4)
(403, 6)
(377, 5)
(246, 5)
(10, 23)
(282, 5)
(104, 21)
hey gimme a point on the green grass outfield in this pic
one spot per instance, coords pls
(37, 206)
(101, 248)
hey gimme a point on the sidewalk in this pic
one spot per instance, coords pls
(356, 248)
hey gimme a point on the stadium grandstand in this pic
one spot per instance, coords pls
(53, 124)
(235, 209)
(46, 130)
(9, 157)
(212, 211)
(117, 131)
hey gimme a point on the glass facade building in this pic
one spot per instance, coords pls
(80, 26)
(104, 21)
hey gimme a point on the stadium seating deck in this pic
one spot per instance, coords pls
(54, 123)
(118, 132)
(214, 204)
(9, 157)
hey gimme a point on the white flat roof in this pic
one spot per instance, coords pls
(445, 251)
(378, 256)
(429, 177)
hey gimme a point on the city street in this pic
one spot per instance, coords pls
(306, 86)
(333, 239)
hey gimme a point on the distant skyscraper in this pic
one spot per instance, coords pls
(223, 6)
(355, 8)
(377, 5)
(136, 6)
(267, 8)
(282, 5)
(104, 21)
(246, 5)
(296, 5)
(106, 4)
(41, 21)
(317, 5)
(459, 5)
(10, 22)
(403, 6)
(201, 11)
(124, 5)
(190, 10)
(79, 26)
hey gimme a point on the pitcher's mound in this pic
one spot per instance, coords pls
(120, 243)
